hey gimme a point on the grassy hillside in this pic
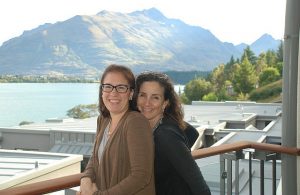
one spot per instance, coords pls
(268, 93)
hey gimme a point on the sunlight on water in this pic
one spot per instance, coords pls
(37, 102)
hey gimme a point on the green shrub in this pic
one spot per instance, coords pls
(83, 111)
(184, 99)
(210, 97)
(25, 123)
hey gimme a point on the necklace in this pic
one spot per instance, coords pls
(109, 130)
(109, 133)
(157, 124)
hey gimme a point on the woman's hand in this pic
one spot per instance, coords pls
(87, 187)
(78, 193)
(94, 187)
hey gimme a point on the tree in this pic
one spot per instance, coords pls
(250, 55)
(228, 69)
(244, 78)
(217, 78)
(210, 97)
(184, 99)
(279, 67)
(230, 63)
(271, 58)
(261, 63)
(83, 111)
(279, 52)
(242, 97)
(268, 75)
(196, 89)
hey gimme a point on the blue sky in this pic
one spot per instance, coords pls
(232, 21)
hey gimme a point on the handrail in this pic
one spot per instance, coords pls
(211, 151)
(43, 187)
(74, 180)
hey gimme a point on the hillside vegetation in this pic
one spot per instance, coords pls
(255, 78)
(268, 93)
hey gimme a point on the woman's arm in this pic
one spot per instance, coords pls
(89, 170)
(172, 145)
(89, 176)
(87, 187)
(141, 155)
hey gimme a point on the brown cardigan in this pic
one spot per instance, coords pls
(127, 164)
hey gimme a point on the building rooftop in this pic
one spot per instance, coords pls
(67, 124)
(23, 167)
(217, 122)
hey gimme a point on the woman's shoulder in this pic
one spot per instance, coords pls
(137, 121)
(168, 126)
(135, 116)
(170, 132)
(169, 123)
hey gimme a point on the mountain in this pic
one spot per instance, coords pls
(86, 44)
(264, 43)
(241, 47)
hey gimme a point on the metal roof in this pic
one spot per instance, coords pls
(17, 167)
(67, 124)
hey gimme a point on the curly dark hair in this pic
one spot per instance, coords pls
(127, 73)
(174, 108)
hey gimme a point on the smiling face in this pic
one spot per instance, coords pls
(150, 101)
(115, 102)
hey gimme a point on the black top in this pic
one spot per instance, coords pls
(176, 172)
(191, 134)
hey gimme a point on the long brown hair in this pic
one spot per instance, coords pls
(174, 108)
(127, 73)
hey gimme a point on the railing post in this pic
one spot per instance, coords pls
(273, 157)
(274, 176)
(266, 156)
(262, 177)
(250, 172)
(223, 175)
(228, 173)
(237, 178)
(229, 177)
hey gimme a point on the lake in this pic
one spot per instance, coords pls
(37, 102)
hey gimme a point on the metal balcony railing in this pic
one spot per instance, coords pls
(228, 152)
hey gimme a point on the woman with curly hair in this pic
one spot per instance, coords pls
(176, 172)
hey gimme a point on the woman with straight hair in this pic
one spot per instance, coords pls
(122, 162)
